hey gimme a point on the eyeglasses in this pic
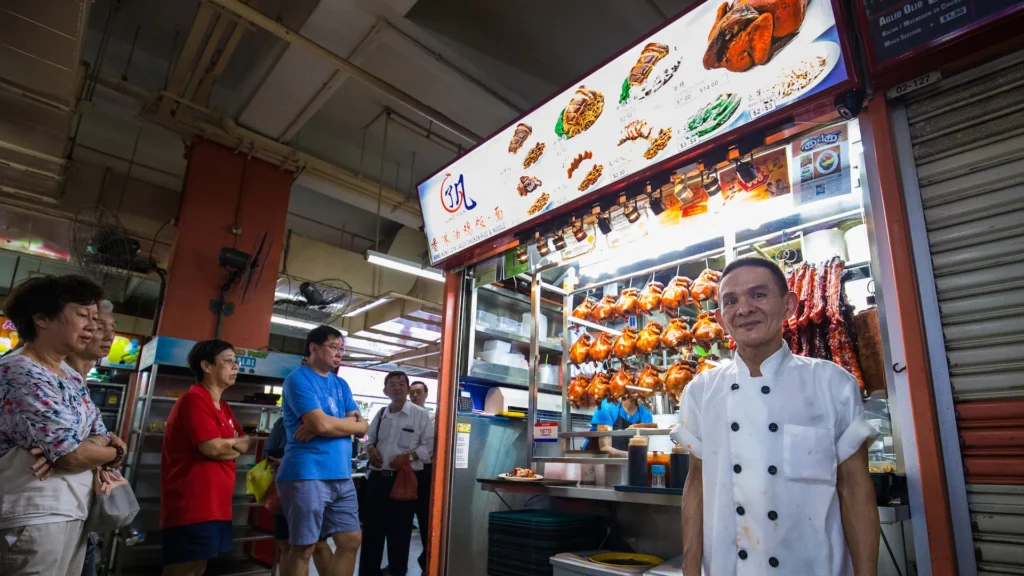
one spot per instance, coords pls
(334, 347)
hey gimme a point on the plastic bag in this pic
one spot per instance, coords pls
(271, 501)
(405, 488)
(258, 480)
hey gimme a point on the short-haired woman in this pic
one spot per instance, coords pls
(197, 468)
(49, 429)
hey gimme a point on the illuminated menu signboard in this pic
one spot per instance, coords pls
(693, 80)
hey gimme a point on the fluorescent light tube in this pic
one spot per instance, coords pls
(367, 306)
(299, 324)
(374, 257)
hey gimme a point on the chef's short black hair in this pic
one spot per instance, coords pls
(319, 336)
(205, 351)
(754, 262)
(421, 383)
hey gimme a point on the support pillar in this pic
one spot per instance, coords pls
(224, 191)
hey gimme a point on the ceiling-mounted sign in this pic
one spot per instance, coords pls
(901, 26)
(695, 79)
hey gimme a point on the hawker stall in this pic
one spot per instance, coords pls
(584, 244)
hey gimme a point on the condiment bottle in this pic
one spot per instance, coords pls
(658, 476)
(655, 457)
(637, 463)
(679, 465)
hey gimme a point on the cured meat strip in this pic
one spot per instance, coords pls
(798, 285)
(820, 288)
(821, 347)
(807, 296)
(843, 352)
(834, 291)
(806, 342)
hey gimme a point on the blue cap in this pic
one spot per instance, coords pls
(658, 469)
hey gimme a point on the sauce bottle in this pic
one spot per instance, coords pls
(679, 465)
(654, 458)
(637, 460)
(658, 476)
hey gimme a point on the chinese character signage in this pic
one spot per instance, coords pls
(821, 165)
(702, 76)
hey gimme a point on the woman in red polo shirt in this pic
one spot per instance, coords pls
(197, 468)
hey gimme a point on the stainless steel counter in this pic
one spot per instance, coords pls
(886, 514)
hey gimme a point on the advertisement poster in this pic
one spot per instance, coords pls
(772, 179)
(124, 352)
(8, 335)
(821, 165)
(174, 352)
(899, 26)
(694, 80)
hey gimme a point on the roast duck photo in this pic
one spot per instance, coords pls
(748, 33)
(583, 110)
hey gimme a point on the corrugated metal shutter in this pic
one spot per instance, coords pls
(968, 141)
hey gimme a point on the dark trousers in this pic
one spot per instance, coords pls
(386, 520)
(423, 510)
(92, 555)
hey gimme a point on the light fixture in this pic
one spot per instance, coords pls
(558, 239)
(656, 203)
(367, 306)
(388, 261)
(710, 182)
(578, 232)
(522, 256)
(604, 223)
(543, 248)
(745, 170)
(299, 324)
(631, 213)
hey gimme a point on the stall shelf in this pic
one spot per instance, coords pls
(162, 376)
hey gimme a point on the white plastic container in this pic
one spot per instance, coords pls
(857, 247)
(495, 357)
(486, 319)
(823, 245)
(548, 374)
(527, 325)
(499, 345)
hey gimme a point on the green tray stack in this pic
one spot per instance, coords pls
(522, 542)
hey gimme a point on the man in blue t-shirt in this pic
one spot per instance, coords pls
(314, 480)
(617, 416)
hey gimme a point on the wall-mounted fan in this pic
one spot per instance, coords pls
(315, 302)
(244, 269)
(108, 255)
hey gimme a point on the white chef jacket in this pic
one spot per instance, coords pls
(408, 430)
(770, 447)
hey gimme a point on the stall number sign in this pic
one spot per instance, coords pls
(545, 432)
(911, 85)
(463, 431)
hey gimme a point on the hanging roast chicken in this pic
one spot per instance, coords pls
(601, 348)
(677, 377)
(706, 285)
(676, 294)
(580, 350)
(649, 381)
(598, 389)
(625, 345)
(577, 392)
(650, 297)
(585, 311)
(707, 331)
(620, 383)
(604, 309)
(649, 338)
(628, 303)
(677, 335)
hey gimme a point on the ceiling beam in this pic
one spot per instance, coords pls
(201, 23)
(202, 95)
(432, 350)
(402, 336)
(390, 91)
(331, 86)
(369, 338)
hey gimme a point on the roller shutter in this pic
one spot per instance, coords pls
(968, 143)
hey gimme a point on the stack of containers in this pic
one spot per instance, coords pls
(522, 542)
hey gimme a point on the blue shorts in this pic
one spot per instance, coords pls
(318, 507)
(192, 542)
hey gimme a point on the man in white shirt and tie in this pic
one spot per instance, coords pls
(779, 480)
(400, 435)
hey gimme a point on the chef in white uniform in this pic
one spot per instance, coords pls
(778, 480)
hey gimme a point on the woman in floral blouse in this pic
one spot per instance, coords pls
(52, 439)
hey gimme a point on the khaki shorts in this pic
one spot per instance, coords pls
(54, 548)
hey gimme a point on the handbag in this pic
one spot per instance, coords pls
(258, 480)
(114, 510)
(271, 501)
(406, 487)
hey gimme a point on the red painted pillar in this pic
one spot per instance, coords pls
(224, 189)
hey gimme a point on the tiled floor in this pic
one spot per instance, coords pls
(414, 552)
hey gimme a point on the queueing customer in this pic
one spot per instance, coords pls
(83, 363)
(418, 395)
(197, 468)
(401, 434)
(315, 477)
(275, 451)
(49, 429)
